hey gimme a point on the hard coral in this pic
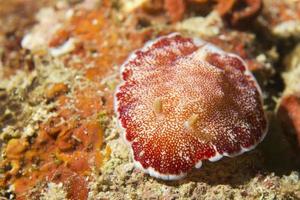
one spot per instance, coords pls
(235, 11)
(184, 100)
(281, 18)
(250, 9)
(288, 113)
(175, 9)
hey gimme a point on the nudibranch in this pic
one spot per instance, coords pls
(183, 100)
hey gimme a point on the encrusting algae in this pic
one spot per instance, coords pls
(68, 146)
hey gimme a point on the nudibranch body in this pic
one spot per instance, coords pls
(182, 100)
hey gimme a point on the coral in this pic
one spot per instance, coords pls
(281, 18)
(289, 104)
(54, 192)
(67, 137)
(250, 10)
(175, 9)
(288, 112)
(56, 90)
(237, 12)
(15, 148)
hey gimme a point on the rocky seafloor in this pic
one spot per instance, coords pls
(59, 67)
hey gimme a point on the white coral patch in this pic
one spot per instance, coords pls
(67, 47)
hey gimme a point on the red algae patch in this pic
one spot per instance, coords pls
(182, 101)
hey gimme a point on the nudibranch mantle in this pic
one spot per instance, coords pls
(183, 100)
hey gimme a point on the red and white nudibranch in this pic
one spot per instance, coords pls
(183, 100)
